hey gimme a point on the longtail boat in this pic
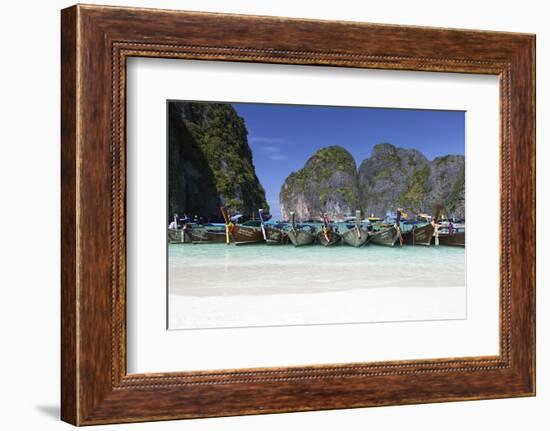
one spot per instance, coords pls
(178, 236)
(419, 235)
(388, 235)
(451, 236)
(299, 236)
(356, 236)
(272, 234)
(194, 234)
(188, 233)
(327, 236)
(423, 234)
(211, 237)
(238, 233)
(448, 234)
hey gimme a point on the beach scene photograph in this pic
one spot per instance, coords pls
(284, 215)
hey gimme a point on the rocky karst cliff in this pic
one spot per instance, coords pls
(210, 164)
(327, 183)
(446, 184)
(397, 177)
(210, 161)
(391, 177)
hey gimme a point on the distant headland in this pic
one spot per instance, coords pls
(211, 164)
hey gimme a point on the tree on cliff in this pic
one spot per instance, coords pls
(390, 178)
(327, 183)
(210, 161)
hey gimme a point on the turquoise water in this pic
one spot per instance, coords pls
(407, 256)
(218, 269)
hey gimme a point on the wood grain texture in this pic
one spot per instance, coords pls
(69, 397)
(96, 41)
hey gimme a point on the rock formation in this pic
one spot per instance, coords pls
(393, 177)
(327, 183)
(446, 184)
(210, 162)
(390, 178)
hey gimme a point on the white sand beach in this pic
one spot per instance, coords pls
(215, 286)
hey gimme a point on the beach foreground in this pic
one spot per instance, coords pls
(216, 286)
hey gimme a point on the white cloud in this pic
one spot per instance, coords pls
(269, 146)
(278, 157)
(271, 149)
(265, 140)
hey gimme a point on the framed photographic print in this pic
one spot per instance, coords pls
(286, 185)
(265, 215)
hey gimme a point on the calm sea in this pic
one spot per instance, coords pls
(219, 269)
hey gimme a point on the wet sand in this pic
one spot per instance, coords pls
(215, 285)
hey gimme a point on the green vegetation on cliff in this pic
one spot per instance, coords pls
(396, 177)
(391, 178)
(208, 143)
(327, 183)
(210, 164)
(417, 189)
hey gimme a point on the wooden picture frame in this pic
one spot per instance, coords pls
(95, 43)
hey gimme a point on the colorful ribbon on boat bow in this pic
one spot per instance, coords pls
(229, 228)
(325, 233)
(326, 227)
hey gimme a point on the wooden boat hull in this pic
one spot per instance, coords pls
(275, 236)
(178, 236)
(422, 235)
(331, 238)
(386, 237)
(198, 236)
(457, 239)
(299, 237)
(246, 234)
(356, 237)
(194, 236)
(239, 233)
(213, 237)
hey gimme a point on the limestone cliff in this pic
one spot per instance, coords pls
(446, 184)
(390, 178)
(393, 177)
(397, 177)
(327, 183)
(210, 161)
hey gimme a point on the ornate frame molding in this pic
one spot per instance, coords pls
(96, 41)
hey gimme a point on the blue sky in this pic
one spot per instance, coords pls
(284, 137)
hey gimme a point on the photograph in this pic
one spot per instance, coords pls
(275, 215)
(281, 214)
